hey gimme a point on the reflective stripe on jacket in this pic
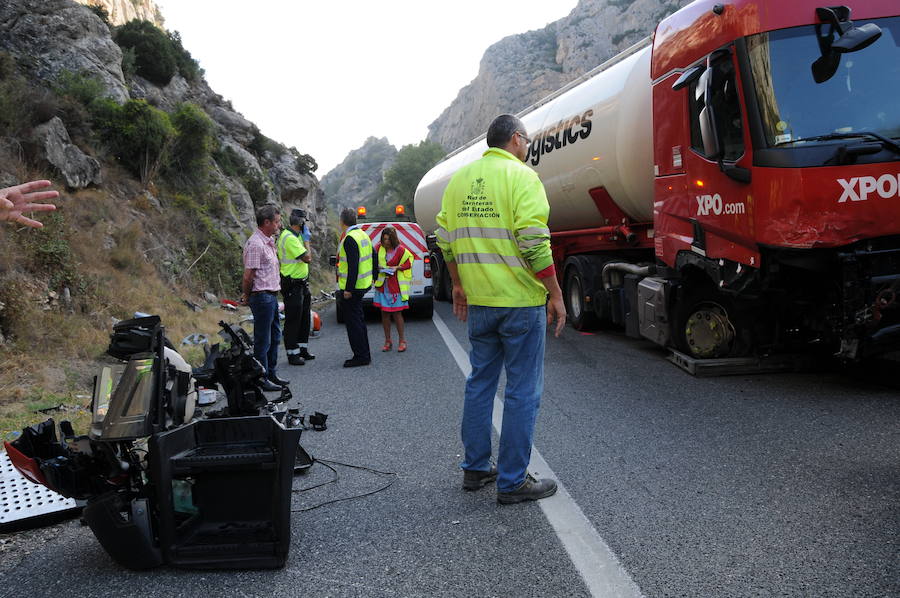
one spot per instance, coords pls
(493, 224)
(364, 274)
(290, 249)
(403, 276)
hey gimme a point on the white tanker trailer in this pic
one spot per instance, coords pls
(729, 186)
(594, 132)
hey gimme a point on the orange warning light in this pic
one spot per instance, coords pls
(400, 210)
(361, 211)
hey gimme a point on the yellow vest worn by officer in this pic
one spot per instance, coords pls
(493, 224)
(403, 276)
(290, 249)
(364, 273)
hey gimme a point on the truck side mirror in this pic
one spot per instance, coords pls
(688, 77)
(712, 143)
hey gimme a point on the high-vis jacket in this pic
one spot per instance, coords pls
(403, 276)
(290, 249)
(364, 273)
(493, 224)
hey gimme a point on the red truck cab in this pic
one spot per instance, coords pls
(777, 175)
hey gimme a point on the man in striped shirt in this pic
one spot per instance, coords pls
(260, 286)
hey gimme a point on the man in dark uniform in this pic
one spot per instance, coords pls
(294, 257)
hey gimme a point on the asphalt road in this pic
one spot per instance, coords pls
(763, 485)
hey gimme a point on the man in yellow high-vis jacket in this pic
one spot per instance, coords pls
(492, 230)
(355, 266)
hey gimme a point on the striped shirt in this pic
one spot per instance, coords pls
(260, 256)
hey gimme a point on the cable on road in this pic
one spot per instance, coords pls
(327, 463)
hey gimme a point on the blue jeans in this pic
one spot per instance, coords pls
(266, 330)
(511, 337)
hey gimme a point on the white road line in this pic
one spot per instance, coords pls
(601, 571)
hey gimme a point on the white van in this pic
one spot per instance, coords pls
(420, 289)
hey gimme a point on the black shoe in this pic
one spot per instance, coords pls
(279, 381)
(296, 359)
(269, 386)
(531, 489)
(474, 480)
(352, 363)
(306, 355)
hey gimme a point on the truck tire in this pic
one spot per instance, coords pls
(424, 309)
(579, 311)
(707, 325)
(440, 278)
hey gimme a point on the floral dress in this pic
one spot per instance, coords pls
(387, 296)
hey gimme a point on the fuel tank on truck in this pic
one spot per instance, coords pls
(595, 132)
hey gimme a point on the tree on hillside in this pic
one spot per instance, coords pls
(401, 180)
(154, 54)
(157, 55)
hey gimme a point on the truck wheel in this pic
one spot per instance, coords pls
(440, 278)
(707, 326)
(424, 310)
(579, 311)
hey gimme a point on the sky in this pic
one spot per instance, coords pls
(324, 76)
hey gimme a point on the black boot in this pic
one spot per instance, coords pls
(296, 359)
(306, 354)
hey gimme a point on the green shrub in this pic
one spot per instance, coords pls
(154, 52)
(187, 66)
(193, 142)
(262, 144)
(621, 36)
(232, 166)
(82, 87)
(51, 254)
(129, 63)
(101, 12)
(304, 162)
(256, 186)
(155, 55)
(218, 258)
(228, 161)
(401, 179)
(16, 101)
(137, 134)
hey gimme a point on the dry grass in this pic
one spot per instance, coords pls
(51, 350)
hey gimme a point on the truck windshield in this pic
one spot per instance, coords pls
(861, 97)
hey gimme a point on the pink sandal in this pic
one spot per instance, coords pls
(401, 347)
(387, 346)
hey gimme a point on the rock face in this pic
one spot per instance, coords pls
(59, 35)
(122, 11)
(48, 37)
(78, 169)
(521, 69)
(355, 181)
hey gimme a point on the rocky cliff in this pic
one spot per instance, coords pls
(355, 181)
(50, 38)
(122, 11)
(521, 69)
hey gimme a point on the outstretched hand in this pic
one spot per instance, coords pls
(21, 198)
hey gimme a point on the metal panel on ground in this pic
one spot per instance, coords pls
(22, 499)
